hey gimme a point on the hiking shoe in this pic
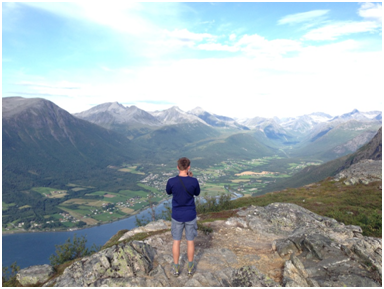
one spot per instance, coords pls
(191, 269)
(175, 270)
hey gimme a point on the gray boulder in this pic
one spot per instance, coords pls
(120, 261)
(34, 275)
(321, 251)
(262, 245)
(250, 276)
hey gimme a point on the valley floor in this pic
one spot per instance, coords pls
(96, 207)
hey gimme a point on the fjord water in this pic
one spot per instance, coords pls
(29, 249)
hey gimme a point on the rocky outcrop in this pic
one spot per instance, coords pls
(363, 172)
(372, 151)
(34, 275)
(151, 227)
(277, 245)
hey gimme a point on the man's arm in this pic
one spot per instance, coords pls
(197, 190)
(168, 188)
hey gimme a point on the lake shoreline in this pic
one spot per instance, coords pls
(22, 231)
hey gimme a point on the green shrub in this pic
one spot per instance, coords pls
(72, 250)
(165, 215)
(213, 204)
(9, 278)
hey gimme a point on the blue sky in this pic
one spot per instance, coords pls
(230, 58)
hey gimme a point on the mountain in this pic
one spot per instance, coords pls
(305, 123)
(115, 114)
(316, 134)
(175, 115)
(174, 138)
(275, 132)
(43, 142)
(371, 151)
(253, 122)
(237, 146)
(334, 139)
(217, 120)
(356, 115)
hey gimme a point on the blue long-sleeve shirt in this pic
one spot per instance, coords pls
(183, 204)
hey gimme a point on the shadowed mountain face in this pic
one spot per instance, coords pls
(41, 140)
(371, 151)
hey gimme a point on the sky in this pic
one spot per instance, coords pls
(235, 59)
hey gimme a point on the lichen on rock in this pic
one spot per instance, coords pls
(277, 245)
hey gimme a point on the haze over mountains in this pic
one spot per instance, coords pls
(42, 141)
(115, 113)
(320, 129)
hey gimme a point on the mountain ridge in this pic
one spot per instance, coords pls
(370, 151)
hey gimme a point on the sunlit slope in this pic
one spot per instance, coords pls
(330, 142)
(372, 150)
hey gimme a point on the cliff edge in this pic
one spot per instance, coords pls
(281, 244)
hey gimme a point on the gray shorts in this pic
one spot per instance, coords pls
(190, 230)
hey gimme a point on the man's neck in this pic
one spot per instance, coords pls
(183, 173)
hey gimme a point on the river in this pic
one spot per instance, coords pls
(29, 249)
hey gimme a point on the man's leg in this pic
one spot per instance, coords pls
(176, 251)
(190, 250)
(190, 234)
(177, 231)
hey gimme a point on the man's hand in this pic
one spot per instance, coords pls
(190, 174)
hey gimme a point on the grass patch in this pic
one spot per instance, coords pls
(50, 192)
(153, 190)
(214, 216)
(5, 206)
(131, 170)
(131, 194)
(240, 180)
(137, 237)
(213, 189)
(359, 205)
(114, 240)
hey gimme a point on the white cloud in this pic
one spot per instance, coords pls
(372, 11)
(326, 78)
(254, 45)
(217, 47)
(302, 17)
(119, 15)
(335, 30)
(185, 35)
(257, 80)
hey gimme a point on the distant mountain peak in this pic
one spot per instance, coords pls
(111, 113)
(197, 110)
(175, 115)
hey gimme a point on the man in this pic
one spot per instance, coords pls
(183, 188)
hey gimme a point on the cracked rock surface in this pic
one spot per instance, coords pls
(277, 245)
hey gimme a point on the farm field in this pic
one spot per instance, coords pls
(85, 205)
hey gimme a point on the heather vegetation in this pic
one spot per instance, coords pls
(359, 205)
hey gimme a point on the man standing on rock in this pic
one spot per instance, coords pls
(183, 188)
